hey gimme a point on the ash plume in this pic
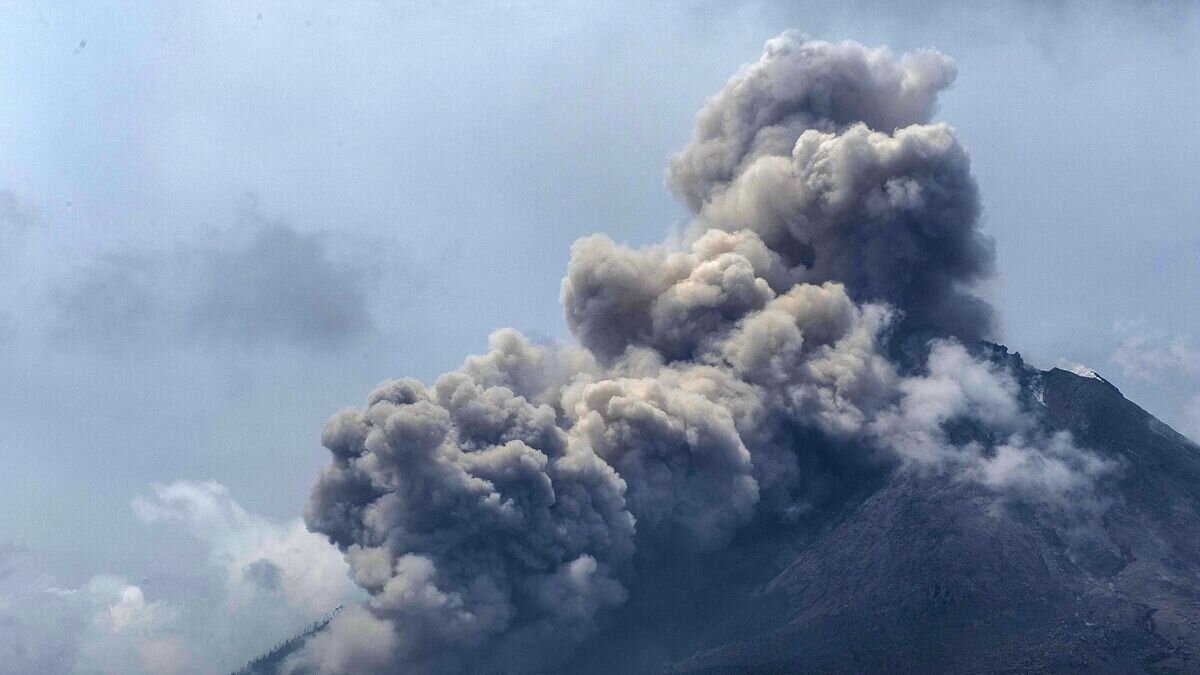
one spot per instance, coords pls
(511, 504)
(825, 151)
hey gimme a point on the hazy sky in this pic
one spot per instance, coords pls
(184, 187)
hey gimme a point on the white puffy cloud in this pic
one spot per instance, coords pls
(1022, 459)
(1162, 362)
(1152, 354)
(267, 581)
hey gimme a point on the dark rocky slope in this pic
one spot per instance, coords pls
(917, 573)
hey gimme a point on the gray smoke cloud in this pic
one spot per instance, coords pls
(825, 151)
(17, 219)
(261, 282)
(511, 504)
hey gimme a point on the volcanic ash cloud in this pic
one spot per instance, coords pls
(509, 505)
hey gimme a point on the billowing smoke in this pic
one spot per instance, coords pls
(510, 505)
(825, 151)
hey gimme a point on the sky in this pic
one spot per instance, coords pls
(221, 223)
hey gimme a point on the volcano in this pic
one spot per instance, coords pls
(780, 443)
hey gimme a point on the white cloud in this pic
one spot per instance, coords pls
(1191, 418)
(310, 571)
(268, 580)
(1152, 354)
(1167, 364)
(1049, 468)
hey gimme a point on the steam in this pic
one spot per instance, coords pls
(508, 506)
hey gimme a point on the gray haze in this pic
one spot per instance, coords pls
(419, 175)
